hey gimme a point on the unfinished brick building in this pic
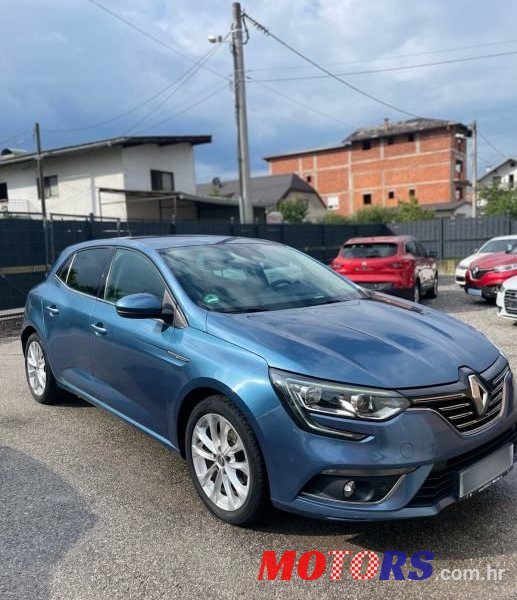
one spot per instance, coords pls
(381, 165)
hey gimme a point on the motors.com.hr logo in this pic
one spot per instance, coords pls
(364, 565)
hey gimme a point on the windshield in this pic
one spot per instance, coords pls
(499, 246)
(248, 277)
(370, 250)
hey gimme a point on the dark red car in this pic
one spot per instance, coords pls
(397, 265)
(485, 275)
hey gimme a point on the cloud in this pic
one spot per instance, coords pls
(71, 65)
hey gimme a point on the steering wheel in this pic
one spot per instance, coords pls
(281, 283)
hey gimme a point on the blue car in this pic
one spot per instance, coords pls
(278, 380)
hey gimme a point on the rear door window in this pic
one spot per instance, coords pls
(411, 248)
(86, 270)
(368, 250)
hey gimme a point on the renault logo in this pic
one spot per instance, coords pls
(479, 394)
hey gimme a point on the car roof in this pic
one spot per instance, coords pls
(503, 237)
(379, 238)
(169, 241)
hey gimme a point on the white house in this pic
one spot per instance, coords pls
(503, 174)
(131, 177)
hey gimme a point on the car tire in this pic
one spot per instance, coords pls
(236, 495)
(433, 292)
(413, 294)
(40, 378)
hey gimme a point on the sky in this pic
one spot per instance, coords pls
(85, 75)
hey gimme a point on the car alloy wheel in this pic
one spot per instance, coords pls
(36, 368)
(220, 462)
(416, 292)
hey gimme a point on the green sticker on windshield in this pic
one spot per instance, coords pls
(211, 298)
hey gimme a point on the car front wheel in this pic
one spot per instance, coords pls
(39, 375)
(225, 461)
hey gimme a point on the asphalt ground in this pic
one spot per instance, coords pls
(91, 508)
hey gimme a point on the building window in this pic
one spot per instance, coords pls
(3, 191)
(367, 199)
(390, 141)
(162, 181)
(496, 180)
(511, 182)
(391, 195)
(367, 144)
(308, 178)
(412, 192)
(459, 193)
(459, 167)
(51, 186)
(411, 137)
(332, 202)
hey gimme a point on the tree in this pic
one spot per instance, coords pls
(294, 210)
(412, 211)
(334, 218)
(373, 214)
(499, 200)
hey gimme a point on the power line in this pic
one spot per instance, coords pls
(489, 143)
(151, 36)
(392, 57)
(388, 69)
(183, 80)
(188, 108)
(265, 31)
(302, 105)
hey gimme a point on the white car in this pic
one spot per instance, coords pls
(507, 299)
(497, 244)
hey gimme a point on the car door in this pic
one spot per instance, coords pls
(132, 368)
(67, 306)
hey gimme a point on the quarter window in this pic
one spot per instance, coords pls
(86, 270)
(132, 273)
(62, 272)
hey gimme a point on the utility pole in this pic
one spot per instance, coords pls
(474, 169)
(41, 190)
(245, 205)
(39, 163)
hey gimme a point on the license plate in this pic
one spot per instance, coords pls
(474, 292)
(486, 472)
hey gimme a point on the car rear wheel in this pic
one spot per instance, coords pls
(414, 293)
(433, 292)
(41, 381)
(225, 461)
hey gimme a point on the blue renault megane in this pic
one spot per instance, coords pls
(277, 379)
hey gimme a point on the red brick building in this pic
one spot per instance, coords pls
(426, 158)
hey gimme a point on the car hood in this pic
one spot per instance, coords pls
(381, 343)
(494, 260)
(466, 262)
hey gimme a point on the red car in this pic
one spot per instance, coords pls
(485, 275)
(398, 265)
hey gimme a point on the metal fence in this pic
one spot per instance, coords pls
(23, 248)
(25, 241)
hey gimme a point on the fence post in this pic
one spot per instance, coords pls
(442, 241)
(89, 225)
(118, 227)
(52, 239)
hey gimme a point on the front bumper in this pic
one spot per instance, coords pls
(459, 275)
(418, 441)
(489, 292)
(506, 302)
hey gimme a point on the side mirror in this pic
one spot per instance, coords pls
(432, 254)
(140, 306)
(509, 248)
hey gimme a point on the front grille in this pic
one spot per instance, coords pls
(510, 301)
(459, 408)
(478, 273)
(442, 481)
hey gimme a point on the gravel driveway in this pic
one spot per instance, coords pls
(90, 508)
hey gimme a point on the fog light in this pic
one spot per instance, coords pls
(349, 488)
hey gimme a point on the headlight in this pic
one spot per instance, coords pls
(306, 395)
(503, 268)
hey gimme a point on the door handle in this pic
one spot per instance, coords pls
(99, 328)
(53, 311)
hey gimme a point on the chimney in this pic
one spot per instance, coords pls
(386, 123)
